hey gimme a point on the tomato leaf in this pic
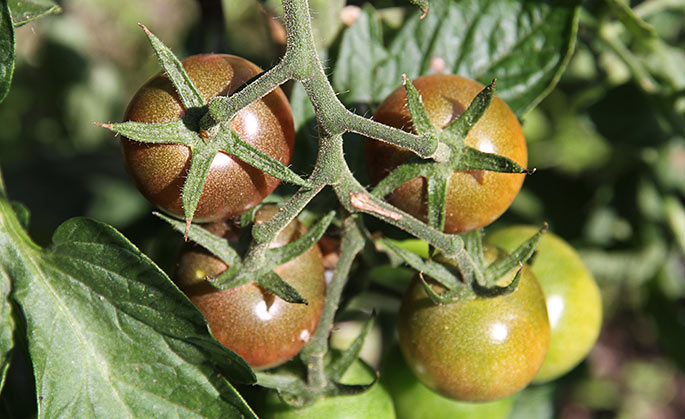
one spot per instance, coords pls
(6, 50)
(6, 325)
(25, 11)
(525, 45)
(110, 333)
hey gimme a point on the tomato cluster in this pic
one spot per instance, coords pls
(482, 349)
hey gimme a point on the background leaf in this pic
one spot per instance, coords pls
(25, 11)
(110, 335)
(6, 326)
(525, 45)
(6, 50)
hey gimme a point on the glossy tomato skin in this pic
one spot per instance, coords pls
(159, 170)
(258, 326)
(479, 350)
(474, 198)
(374, 403)
(413, 400)
(573, 298)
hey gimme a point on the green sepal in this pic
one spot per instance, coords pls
(339, 389)
(472, 159)
(473, 243)
(412, 169)
(232, 144)
(25, 11)
(461, 126)
(247, 218)
(496, 290)
(174, 132)
(437, 196)
(454, 295)
(501, 267)
(417, 110)
(435, 270)
(337, 368)
(216, 245)
(290, 251)
(631, 20)
(200, 162)
(190, 97)
(273, 283)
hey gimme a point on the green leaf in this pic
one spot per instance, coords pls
(109, 334)
(190, 97)
(675, 215)
(524, 45)
(361, 49)
(274, 283)
(174, 132)
(6, 325)
(25, 11)
(6, 50)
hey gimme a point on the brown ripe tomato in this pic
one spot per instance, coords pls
(474, 198)
(232, 186)
(478, 350)
(254, 323)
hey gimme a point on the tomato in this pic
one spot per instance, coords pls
(374, 403)
(474, 198)
(478, 350)
(413, 400)
(573, 299)
(232, 186)
(257, 325)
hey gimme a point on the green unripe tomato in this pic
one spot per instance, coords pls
(233, 186)
(257, 325)
(478, 350)
(573, 299)
(413, 400)
(474, 198)
(374, 403)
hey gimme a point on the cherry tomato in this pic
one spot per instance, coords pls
(474, 198)
(413, 400)
(478, 350)
(232, 186)
(254, 323)
(574, 303)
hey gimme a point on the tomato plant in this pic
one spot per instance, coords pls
(257, 325)
(573, 300)
(477, 350)
(474, 198)
(373, 403)
(413, 400)
(232, 186)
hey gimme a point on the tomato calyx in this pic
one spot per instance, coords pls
(295, 391)
(465, 275)
(203, 139)
(451, 155)
(259, 266)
